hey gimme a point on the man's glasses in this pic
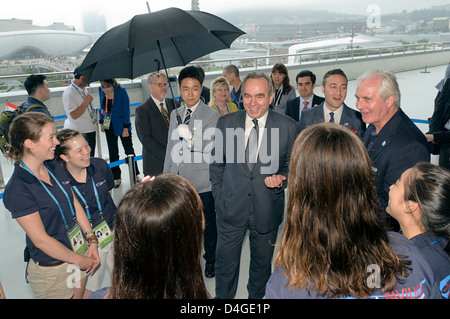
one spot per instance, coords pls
(161, 85)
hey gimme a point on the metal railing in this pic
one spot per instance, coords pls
(325, 56)
(309, 57)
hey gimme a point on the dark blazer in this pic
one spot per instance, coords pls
(350, 118)
(237, 190)
(441, 116)
(441, 113)
(398, 146)
(442, 137)
(293, 106)
(152, 131)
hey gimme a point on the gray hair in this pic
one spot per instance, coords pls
(258, 75)
(231, 68)
(153, 75)
(388, 84)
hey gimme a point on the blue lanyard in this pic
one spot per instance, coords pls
(52, 196)
(90, 104)
(228, 110)
(436, 241)
(86, 206)
(78, 90)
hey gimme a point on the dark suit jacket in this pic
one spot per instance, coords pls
(441, 116)
(398, 146)
(441, 113)
(350, 118)
(237, 190)
(293, 106)
(152, 131)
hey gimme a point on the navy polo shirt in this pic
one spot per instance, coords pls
(236, 97)
(24, 195)
(32, 101)
(432, 247)
(100, 171)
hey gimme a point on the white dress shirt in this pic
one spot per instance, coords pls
(337, 114)
(249, 125)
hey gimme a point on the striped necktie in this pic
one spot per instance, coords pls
(165, 114)
(305, 103)
(187, 118)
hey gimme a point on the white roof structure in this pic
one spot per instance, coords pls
(333, 44)
(43, 42)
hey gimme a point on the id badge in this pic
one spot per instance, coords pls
(103, 233)
(93, 115)
(106, 123)
(77, 241)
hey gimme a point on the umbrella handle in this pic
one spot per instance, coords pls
(167, 77)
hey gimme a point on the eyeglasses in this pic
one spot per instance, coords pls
(161, 85)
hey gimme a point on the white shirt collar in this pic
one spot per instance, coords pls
(337, 113)
(310, 101)
(261, 121)
(158, 102)
(192, 108)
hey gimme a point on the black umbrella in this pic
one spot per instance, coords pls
(167, 38)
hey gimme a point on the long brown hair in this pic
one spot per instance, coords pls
(333, 229)
(281, 68)
(158, 242)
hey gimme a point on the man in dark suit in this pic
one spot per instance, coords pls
(333, 109)
(393, 141)
(439, 133)
(152, 124)
(206, 92)
(249, 190)
(306, 82)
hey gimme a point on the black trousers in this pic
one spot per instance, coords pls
(444, 155)
(210, 233)
(113, 150)
(228, 256)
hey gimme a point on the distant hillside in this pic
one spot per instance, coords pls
(420, 15)
(285, 16)
(289, 16)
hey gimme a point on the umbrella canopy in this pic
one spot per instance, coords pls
(166, 38)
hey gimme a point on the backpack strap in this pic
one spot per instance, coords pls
(37, 106)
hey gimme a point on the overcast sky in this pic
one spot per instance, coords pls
(45, 12)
